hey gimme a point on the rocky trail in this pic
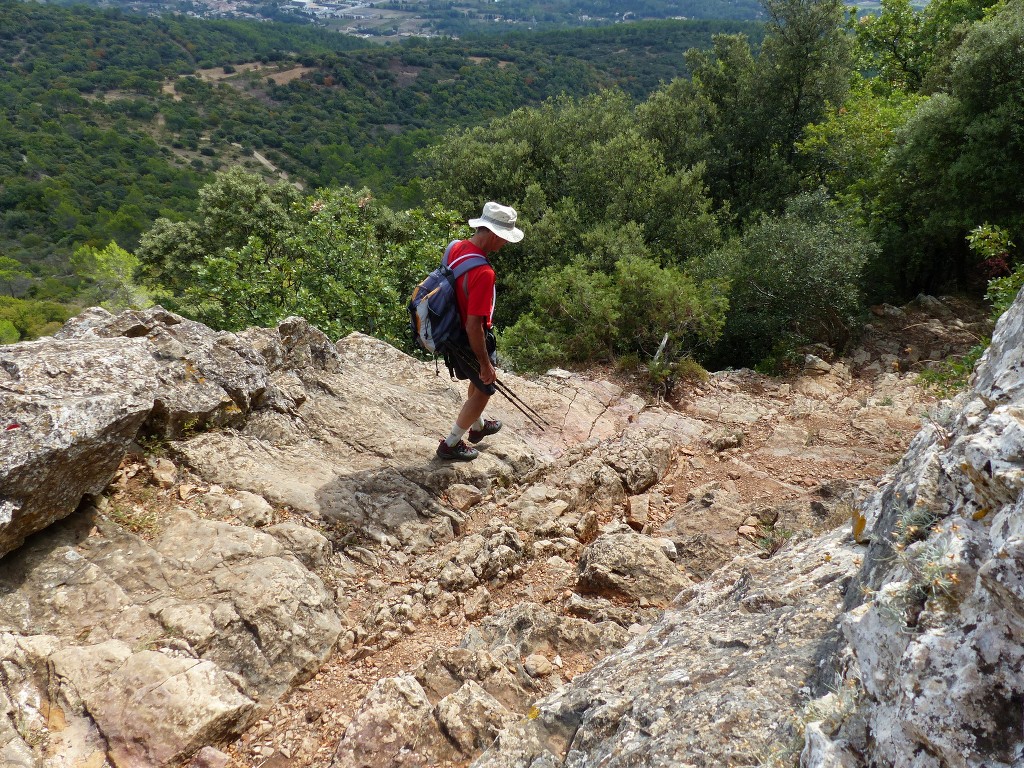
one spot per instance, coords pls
(396, 611)
(774, 459)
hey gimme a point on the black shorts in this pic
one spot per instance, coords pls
(462, 363)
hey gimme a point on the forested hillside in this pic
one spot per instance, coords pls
(729, 218)
(111, 120)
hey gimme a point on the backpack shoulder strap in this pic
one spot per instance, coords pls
(464, 263)
(448, 250)
(467, 264)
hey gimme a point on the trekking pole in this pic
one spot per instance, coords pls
(538, 421)
(513, 398)
(501, 387)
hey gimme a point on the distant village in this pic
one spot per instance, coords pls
(364, 17)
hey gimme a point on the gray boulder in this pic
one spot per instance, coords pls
(714, 682)
(161, 646)
(68, 411)
(933, 647)
(394, 728)
(630, 565)
(205, 378)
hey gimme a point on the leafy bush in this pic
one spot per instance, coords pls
(1003, 290)
(30, 318)
(257, 253)
(582, 315)
(795, 279)
(8, 333)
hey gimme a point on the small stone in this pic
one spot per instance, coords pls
(586, 529)
(815, 366)
(746, 530)
(463, 496)
(638, 511)
(537, 665)
(164, 473)
(478, 603)
(209, 757)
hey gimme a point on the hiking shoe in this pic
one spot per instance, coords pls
(458, 452)
(490, 427)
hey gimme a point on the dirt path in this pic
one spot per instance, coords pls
(775, 447)
(305, 728)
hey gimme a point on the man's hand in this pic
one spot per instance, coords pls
(487, 372)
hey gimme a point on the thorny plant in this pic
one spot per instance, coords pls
(933, 579)
(830, 710)
(771, 539)
(930, 565)
(915, 523)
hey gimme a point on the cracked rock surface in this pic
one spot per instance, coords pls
(283, 574)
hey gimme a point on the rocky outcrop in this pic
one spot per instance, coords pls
(142, 628)
(933, 634)
(284, 527)
(710, 684)
(68, 411)
(158, 647)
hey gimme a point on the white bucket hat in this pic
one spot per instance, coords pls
(501, 220)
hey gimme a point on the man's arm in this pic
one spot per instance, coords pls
(475, 325)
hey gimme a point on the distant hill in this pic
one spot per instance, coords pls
(112, 119)
(394, 19)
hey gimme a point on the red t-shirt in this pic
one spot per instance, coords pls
(475, 289)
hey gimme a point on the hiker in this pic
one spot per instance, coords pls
(474, 358)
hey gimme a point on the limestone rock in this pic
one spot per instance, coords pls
(709, 684)
(630, 565)
(205, 612)
(394, 727)
(310, 547)
(164, 472)
(478, 603)
(532, 628)
(204, 377)
(247, 508)
(471, 717)
(209, 757)
(933, 615)
(537, 665)
(464, 496)
(68, 411)
(495, 670)
(152, 707)
(341, 434)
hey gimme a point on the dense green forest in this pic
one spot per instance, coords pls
(751, 205)
(111, 120)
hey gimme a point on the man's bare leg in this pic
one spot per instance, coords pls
(473, 408)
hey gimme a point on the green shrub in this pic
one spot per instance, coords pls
(583, 315)
(1003, 290)
(8, 333)
(32, 318)
(795, 279)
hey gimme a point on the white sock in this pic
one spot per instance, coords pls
(479, 423)
(453, 439)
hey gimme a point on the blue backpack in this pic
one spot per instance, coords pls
(433, 309)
